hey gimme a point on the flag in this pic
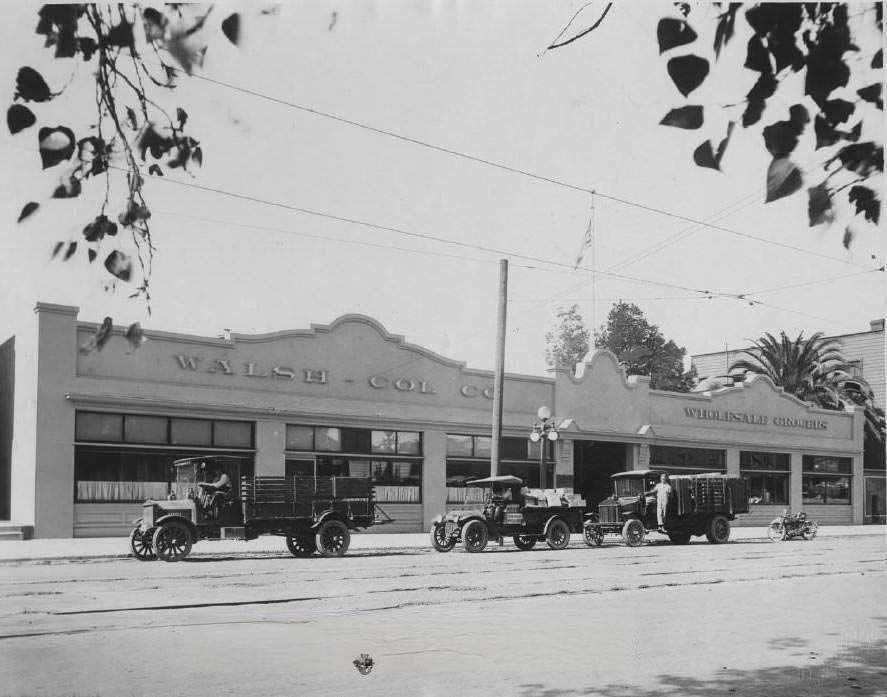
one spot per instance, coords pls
(588, 239)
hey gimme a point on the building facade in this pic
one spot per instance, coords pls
(867, 355)
(87, 436)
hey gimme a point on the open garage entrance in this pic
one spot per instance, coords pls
(593, 463)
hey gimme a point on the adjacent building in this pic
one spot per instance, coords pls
(86, 436)
(865, 353)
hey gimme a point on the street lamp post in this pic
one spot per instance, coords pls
(543, 430)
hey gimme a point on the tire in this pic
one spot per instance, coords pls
(633, 532)
(718, 530)
(475, 536)
(332, 538)
(172, 541)
(140, 544)
(679, 538)
(439, 539)
(592, 535)
(558, 535)
(776, 530)
(301, 544)
(524, 542)
(810, 529)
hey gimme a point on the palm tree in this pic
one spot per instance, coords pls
(811, 369)
(814, 370)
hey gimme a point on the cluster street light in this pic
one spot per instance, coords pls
(543, 430)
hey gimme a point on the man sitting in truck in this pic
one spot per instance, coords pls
(218, 491)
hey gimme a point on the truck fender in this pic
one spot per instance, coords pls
(137, 522)
(549, 522)
(437, 520)
(191, 527)
(332, 515)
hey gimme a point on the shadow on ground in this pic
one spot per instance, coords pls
(855, 669)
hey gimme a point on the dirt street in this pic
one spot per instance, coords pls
(747, 618)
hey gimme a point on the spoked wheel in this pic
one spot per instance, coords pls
(776, 530)
(439, 539)
(810, 529)
(633, 532)
(475, 536)
(140, 544)
(172, 541)
(301, 544)
(558, 536)
(592, 535)
(718, 530)
(333, 538)
(524, 542)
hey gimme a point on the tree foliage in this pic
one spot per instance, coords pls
(135, 56)
(815, 370)
(568, 343)
(643, 350)
(815, 40)
(840, 87)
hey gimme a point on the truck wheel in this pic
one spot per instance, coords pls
(439, 539)
(592, 535)
(332, 538)
(633, 532)
(679, 538)
(172, 541)
(301, 545)
(524, 542)
(718, 530)
(474, 536)
(558, 536)
(140, 544)
(776, 530)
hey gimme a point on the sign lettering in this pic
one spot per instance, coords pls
(753, 419)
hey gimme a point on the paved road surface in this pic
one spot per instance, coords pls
(747, 618)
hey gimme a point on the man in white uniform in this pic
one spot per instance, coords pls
(662, 492)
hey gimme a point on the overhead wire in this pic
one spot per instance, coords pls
(501, 166)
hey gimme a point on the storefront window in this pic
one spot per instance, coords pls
(328, 439)
(687, 460)
(98, 427)
(191, 432)
(460, 446)
(483, 446)
(145, 429)
(409, 443)
(384, 441)
(766, 475)
(128, 475)
(875, 510)
(299, 437)
(824, 481)
(232, 434)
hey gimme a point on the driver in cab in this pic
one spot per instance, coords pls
(217, 490)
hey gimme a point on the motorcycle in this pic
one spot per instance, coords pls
(788, 526)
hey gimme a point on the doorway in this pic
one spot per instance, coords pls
(593, 463)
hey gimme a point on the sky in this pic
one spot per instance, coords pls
(472, 77)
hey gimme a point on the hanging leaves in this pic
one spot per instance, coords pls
(872, 94)
(783, 179)
(99, 228)
(69, 187)
(135, 336)
(19, 117)
(762, 90)
(781, 138)
(724, 31)
(231, 28)
(862, 158)
(155, 169)
(687, 72)
(119, 264)
(689, 117)
(827, 135)
(866, 202)
(757, 57)
(28, 210)
(671, 33)
(837, 111)
(706, 156)
(819, 205)
(56, 145)
(878, 60)
(30, 86)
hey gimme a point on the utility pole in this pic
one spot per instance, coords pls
(499, 378)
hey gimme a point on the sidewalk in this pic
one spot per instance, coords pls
(118, 547)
